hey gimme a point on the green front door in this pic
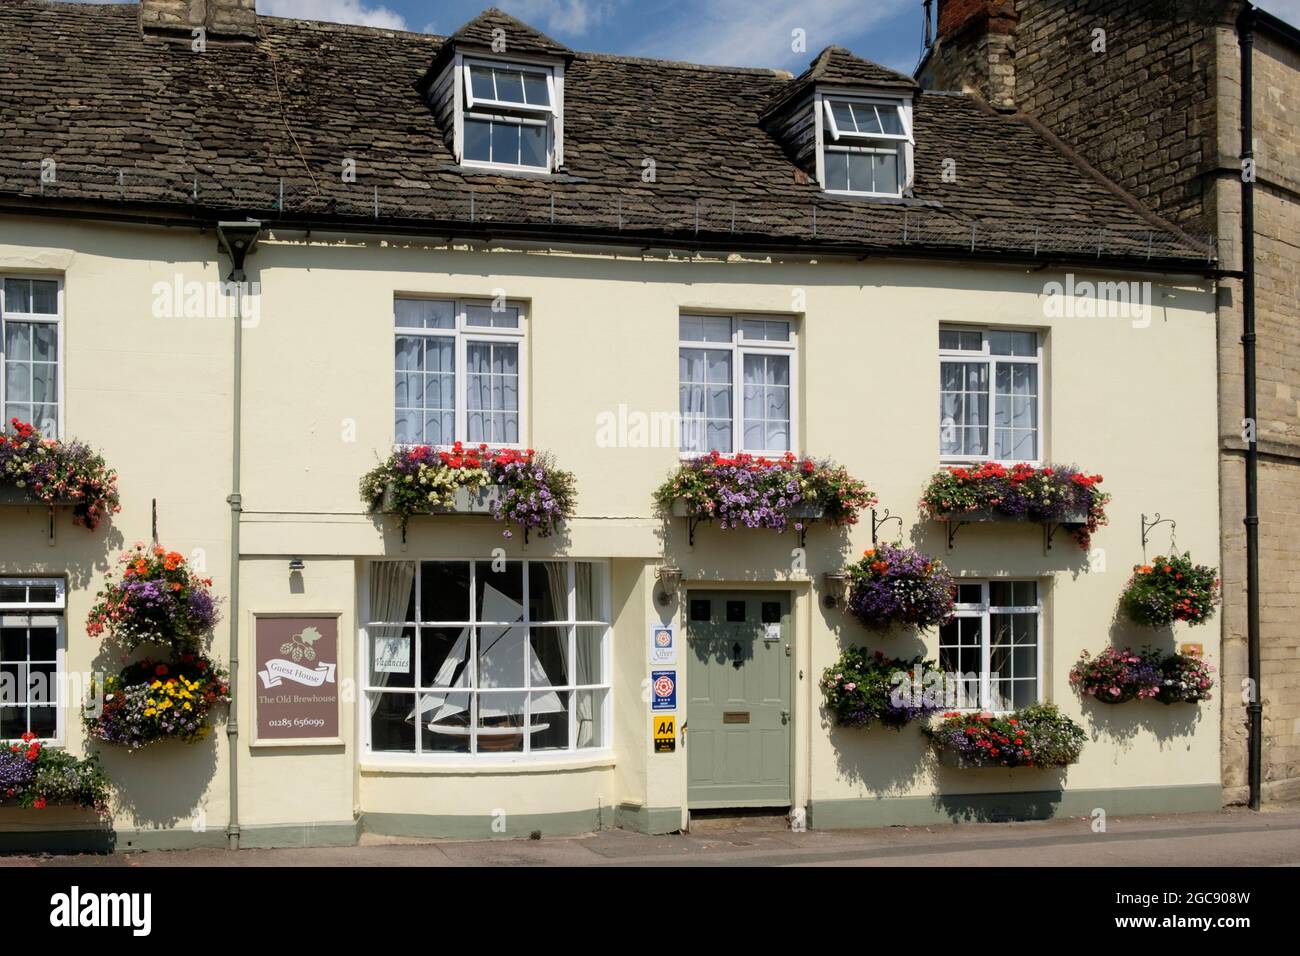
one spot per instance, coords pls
(738, 699)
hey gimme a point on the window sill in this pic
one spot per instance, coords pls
(515, 171)
(380, 764)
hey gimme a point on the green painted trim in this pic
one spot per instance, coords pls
(276, 835)
(480, 826)
(1022, 805)
(343, 833)
(105, 840)
(654, 820)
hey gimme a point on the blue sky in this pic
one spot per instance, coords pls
(731, 32)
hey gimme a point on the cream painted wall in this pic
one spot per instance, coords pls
(153, 395)
(1135, 404)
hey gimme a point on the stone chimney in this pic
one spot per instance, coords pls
(221, 19)
(974, 50)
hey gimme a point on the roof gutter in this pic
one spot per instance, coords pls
(452, 230)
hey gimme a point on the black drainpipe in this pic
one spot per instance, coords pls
(1254, 707)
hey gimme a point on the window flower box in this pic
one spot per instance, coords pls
(35, 776)
(744, 491)
(804, 510)
(35, 470)
(1116, 676)
(465, 500)
(1037, 736)
(1053, 495)
(991, 515)
(522, 488)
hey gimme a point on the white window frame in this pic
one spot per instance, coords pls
(58, 610)
(474, 103)
(992, 361)
(739, 346)
(41, 318)
(984, 611)
(844, 141)
(470, 107)
(526, 756)
(465, 334)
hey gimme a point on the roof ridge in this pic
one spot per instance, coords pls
(326, 26)
(774, 72)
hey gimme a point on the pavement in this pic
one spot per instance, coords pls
(1230, 837)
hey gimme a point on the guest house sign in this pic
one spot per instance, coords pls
(297, 678)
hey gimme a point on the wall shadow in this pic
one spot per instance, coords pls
(1001, 804)
(162, 785)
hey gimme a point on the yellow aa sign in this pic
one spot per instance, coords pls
(664, 729)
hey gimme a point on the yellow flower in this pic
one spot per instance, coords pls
(149, 712)
(188, 707)
(155, 685)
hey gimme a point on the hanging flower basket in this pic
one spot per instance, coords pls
(861, 688)
(521, 488)
(1171, 589)
(56, 473)
(35, 776)
(1116, 676)
(992, 492)
(158, 599)
(743, 491)
(158, 700)
(1037, 736)
(894, 585)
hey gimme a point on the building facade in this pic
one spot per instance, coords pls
(513, 264)
(1103, 76)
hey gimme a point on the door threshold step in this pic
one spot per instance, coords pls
(758, 818)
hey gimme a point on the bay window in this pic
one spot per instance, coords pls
(30, 353)
(990, 395)
(458, 372)
(736, 384)
(992, 647)
(487, 658)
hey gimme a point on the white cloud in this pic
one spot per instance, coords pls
(570, 17)
(759, 32)
(334, 11)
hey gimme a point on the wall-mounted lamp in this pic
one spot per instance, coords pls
(670, 579)
(835, 585)
(296, 564)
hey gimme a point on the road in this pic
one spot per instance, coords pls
(1234, 837)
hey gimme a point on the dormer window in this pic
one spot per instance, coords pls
(866, 145)
(509, 115)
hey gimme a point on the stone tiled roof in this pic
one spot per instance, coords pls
(519, 37)
(144, 127)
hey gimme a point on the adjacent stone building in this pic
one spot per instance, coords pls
(1148, 92)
